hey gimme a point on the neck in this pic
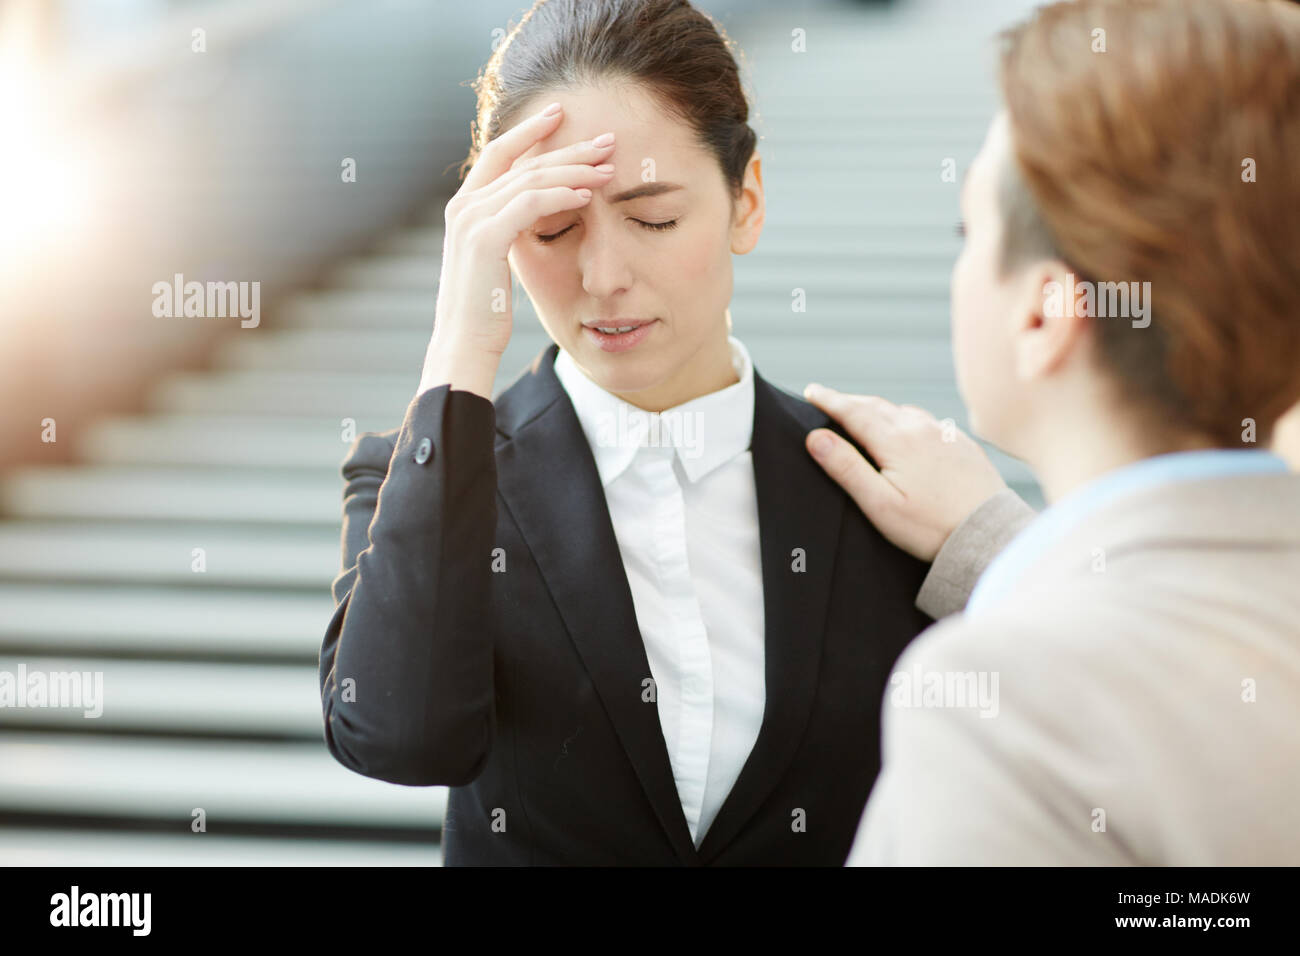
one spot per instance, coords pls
(1071, 454)
(708, 370)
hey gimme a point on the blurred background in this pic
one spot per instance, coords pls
(170, 495)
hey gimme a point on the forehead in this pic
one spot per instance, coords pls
(641, 127)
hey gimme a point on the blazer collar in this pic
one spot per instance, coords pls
(565, 522)
(1242, 511)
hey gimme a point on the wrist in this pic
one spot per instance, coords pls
(461, 364)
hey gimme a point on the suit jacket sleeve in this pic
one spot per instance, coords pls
(969, 549)
(405, 668)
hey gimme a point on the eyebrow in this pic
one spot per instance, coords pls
(646, 189)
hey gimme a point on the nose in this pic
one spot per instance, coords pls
(603, 258)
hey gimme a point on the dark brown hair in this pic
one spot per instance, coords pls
(1128, 166)
(683, 58)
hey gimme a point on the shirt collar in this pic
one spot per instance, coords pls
(704, 433)
(1000, 577)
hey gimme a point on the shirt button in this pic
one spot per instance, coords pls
(423, 450)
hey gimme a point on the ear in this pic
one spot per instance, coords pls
(750, 208)
(1050, 326)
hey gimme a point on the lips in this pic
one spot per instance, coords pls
(617, 325)
(634, 332)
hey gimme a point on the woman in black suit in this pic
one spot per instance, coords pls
(509, 621)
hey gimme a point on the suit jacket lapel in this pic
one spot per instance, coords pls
(800, 510)
(563, 517)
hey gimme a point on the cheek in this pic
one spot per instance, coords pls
(698, 258)
(965, 310)
(550, 279)
(537, 269)
(976, 298)
(692, 252)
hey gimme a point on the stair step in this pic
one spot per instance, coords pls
(76, 847)
(233, 441)
(185, 493)
(126, 618)
(235, 782)
(245, 699)
(129, 552)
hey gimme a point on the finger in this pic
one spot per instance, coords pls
(536, 180)
(497, 156)
(526, 208)
(867, 418)
(841, 403)
(592, 151)
(489, 201)
(848, 469)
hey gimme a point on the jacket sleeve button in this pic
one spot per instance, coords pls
(423, 450)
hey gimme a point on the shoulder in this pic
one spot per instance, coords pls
(800, 412)
(799, 415)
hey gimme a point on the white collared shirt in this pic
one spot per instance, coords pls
(681, 495)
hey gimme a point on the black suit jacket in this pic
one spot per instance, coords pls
(516, 676)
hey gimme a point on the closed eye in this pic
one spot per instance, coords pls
(961, 228)
(656, 226)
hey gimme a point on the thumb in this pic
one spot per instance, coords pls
(852, 472)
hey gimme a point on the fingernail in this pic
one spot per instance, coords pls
(551, 110)
(604, 139)
(584, 193)
(811, 389)
(820, 444)
(605, 168)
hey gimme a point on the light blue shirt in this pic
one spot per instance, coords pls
(1000, 577)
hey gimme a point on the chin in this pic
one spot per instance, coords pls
(620, 372)
(613, 378)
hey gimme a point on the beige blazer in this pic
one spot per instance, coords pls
(1136, 702)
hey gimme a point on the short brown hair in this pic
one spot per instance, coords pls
(1129, 166)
